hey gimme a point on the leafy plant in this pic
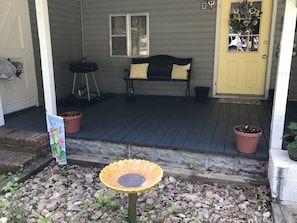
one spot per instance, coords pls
(291, 136)
(172, 207)
(192, 164)
(11, 186)
(15, 210)
(197, 219)
(106, 204)
(3, 177)
(248, 129)
(44, 220)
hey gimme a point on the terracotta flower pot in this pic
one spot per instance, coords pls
(247, 142)
(72, 121)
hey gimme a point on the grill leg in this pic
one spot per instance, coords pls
(88, 89)
(73, 85)
(95, 82)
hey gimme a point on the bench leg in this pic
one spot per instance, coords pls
(130, 91)
(188, 89)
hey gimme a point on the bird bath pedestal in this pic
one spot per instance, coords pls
(131, 176)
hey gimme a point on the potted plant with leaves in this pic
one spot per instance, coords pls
(290, 139)
(247, 138)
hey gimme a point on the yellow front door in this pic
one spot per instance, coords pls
(243, 47)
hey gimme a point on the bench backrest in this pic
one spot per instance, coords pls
(160, 66)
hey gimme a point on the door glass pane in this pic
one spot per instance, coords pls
(139, 38)
(244, 26)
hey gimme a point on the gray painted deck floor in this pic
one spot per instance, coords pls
(164, 122)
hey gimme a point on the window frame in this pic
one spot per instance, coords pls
(128, 24)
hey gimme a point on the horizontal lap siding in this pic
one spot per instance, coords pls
(66, 34)
(177, 28)
(277, 37)
(65, 30)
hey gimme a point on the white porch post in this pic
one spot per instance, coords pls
(46, 56)
(2, 122)
(283, 76)
(282, 170)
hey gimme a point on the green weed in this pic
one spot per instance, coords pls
(106, 204)
(192, 164)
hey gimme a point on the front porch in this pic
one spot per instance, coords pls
(161, 121)
(164, 129)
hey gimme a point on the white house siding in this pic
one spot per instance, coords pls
(177, 28)
(65, 26)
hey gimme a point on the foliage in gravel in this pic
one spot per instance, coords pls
(75, 194)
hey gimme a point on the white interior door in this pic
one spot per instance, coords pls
(16, 44)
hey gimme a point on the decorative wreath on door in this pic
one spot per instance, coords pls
(245, 18)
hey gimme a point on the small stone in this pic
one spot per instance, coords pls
(190, 197)
(267, 214)
(97, 215)
(150, 201)
(56, 177)
(216, 218)
(242, 206)
(172, 180)
(57, 216)
(52, 206)
(181, 215)
(198, 205)
(209, 194)
(161, 186)
(242, 197)
(3, 220)
(216, 197)
(44, 212)
(89, 178)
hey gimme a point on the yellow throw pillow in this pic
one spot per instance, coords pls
(180, 72)
(139, 71)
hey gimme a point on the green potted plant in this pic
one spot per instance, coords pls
(247, 138)
(290, 139)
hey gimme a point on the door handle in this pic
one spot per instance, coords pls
(264, 56)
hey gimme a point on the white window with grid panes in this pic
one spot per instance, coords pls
(129, 35)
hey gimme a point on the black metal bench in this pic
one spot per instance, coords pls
(158, 68)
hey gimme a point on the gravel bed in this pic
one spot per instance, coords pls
(75, 194)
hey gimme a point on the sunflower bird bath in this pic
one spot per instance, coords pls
(131, 176)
